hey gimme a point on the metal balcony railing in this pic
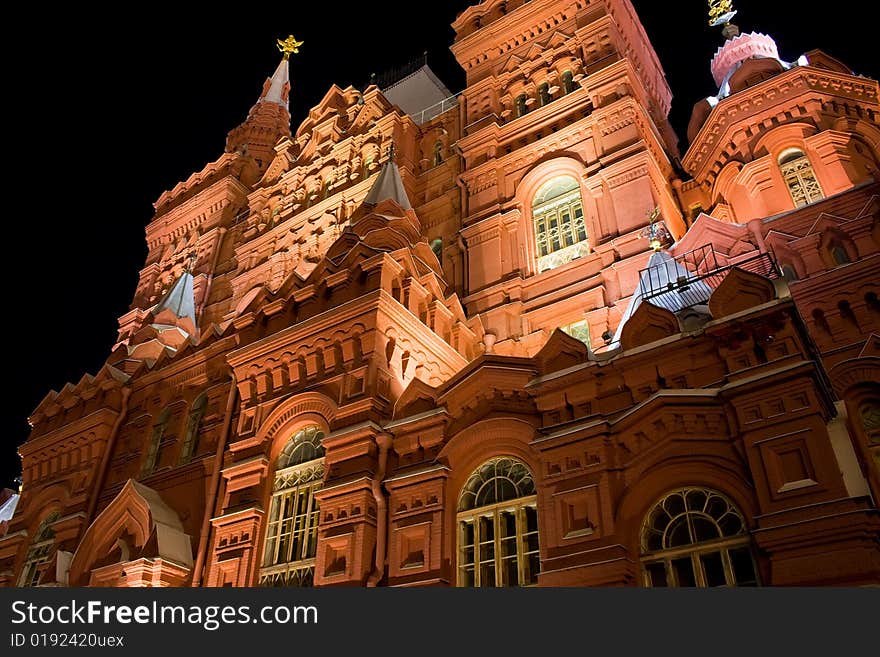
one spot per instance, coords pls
(690, 279)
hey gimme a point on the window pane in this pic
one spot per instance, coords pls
(487, 574)
(467, 533)
(713, 569)
(532, 568)
(510, 572)
(696, 500)
(704, 529)
(684, 571)
(731, 525)
(679, 533)
(674, 505)
(743, 567)
(657, 574)
(467, 576)
(531, 519)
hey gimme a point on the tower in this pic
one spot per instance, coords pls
(785, 160)
(434, 339)
(567, 152)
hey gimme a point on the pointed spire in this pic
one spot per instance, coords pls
(269, 119)
(277, 88)
(179, 300)
(389, 185)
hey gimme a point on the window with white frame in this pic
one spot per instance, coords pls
(292, 527)
(497, 526)
(40, 551)
(560, 229)
(800, 178)
(696, 537)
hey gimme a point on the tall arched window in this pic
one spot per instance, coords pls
(292, 532)
(544, 97)
(560, 230)
(800, 178)
(155, 446)
(193, 425)
(696, 537)
(522, 107)
(568, 82)
(40, 551)
(438, 153)
(498, 526)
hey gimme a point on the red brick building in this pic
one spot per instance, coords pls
(508, 337)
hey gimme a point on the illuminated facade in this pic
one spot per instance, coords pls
(425, 339)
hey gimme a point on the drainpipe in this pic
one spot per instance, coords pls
(105, 460)
(214, 489)
(383, 442)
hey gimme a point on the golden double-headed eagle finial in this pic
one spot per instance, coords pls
(721, 12)
(289, 46)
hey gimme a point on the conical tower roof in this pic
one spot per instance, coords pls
(179, 300)
(389, 186)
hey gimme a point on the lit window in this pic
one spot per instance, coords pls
(193, 426)
(560, 231)
(800, 178)
(292, 533)
(40, 551)
(498, 526)
(154, 449)
(696, 538)
(579, 331)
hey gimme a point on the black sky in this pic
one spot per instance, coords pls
(100, 121)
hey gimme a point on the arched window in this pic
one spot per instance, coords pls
(696, 537)
(560, 231)
(522, 107)
(498, 526)
(438, 153)
(800, 178)
(544, 97)
(40, 551)
(568, 82)
(870, 414)
(190, 446)
(292, 532)
(155, 446)
(789, 273)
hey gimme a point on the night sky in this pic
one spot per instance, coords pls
(101, 121)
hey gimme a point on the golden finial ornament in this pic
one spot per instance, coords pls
(721, 12)
(289, 46)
